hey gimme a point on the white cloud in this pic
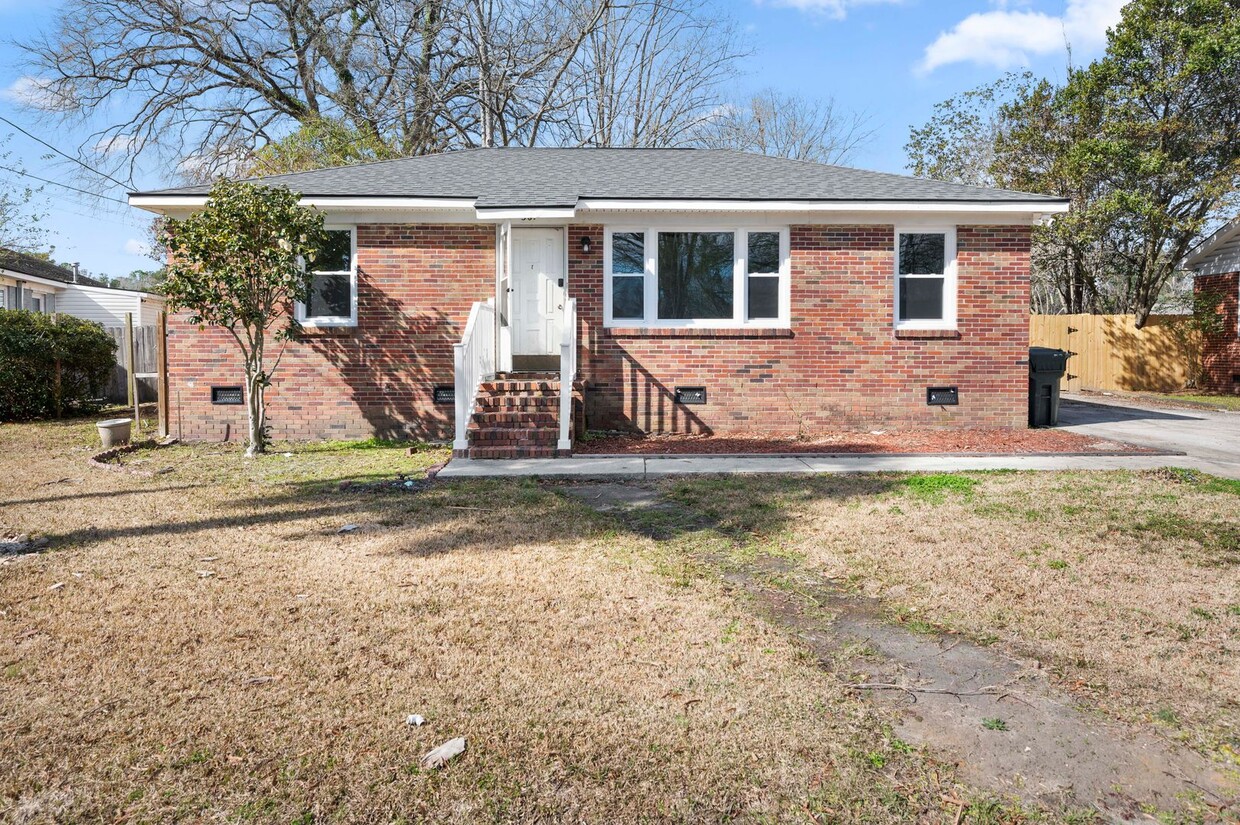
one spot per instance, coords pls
(1007, 37)
(38, 93)
(837, 9)
(133, 246)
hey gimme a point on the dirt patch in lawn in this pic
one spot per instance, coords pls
(966, 441)
(1126, 585)
(208, 645)
(1010, 728)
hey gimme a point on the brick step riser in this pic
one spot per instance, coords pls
(493, 387)
(497, 453)
(494, 438)
(518, 419)
(507, 403)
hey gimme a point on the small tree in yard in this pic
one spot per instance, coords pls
(239, 264)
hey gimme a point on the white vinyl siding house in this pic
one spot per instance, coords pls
(36, 285)
(109, 306)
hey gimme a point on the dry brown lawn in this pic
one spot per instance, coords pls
(202, 644)
(1127, 584)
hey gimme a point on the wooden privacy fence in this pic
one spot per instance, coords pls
(146, 352)
(1110, 353)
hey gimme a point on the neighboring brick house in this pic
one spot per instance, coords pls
(1215, 265)
(704, 291)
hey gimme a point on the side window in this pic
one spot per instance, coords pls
(925, 282)
(333, 283)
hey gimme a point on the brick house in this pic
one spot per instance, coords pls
(1215, 265)
(672, 290)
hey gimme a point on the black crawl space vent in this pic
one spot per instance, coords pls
(942, 396)
(444, 394)
(690, 395)
(227, 395)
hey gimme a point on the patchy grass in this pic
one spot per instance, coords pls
(219, 651)
(935, 487)
(1126, 584)
(1218, 402)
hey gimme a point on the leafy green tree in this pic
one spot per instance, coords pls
(1145, 142)
(239, 265)
(1163, 110)
(957, 144)
(317, 144)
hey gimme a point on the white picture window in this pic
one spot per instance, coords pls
(332, 277)
(925, 278)
(705, 277)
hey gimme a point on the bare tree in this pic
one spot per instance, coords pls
(787, 126)
(649, 74)
(204, 84)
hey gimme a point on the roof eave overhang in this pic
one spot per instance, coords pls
(162, 203)
(15, 275)
(1207, 247)
(687, 205)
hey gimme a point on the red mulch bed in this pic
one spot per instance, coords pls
(1010, 442)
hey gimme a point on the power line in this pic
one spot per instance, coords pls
(62, 185)
(78, 161)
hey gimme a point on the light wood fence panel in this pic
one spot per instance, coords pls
(146, 352)
(1111, 354)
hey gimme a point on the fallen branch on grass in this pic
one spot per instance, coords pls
(913, 691)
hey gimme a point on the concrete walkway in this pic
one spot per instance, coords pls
(1210, 438)
(656, 466)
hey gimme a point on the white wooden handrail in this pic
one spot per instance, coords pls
(568, 373)
(473, 362)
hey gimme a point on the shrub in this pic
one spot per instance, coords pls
(31, 344)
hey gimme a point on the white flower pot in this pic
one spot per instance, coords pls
(114, 432)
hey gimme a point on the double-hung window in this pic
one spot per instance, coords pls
(332, 276)
(925, 282)
(708, 278)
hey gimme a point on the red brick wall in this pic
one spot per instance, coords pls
(841, 364)
(1221, 353)
(415, 287)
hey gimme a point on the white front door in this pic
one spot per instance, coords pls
(537, 299)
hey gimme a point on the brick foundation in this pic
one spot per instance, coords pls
(1220, 355)
(841, 364)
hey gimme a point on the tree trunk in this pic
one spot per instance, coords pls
(256, 385)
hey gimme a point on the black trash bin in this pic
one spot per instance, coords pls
(1046, 367)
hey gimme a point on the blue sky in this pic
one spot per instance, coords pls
(891, 59)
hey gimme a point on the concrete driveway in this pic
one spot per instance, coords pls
(1211, 439)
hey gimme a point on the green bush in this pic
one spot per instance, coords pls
(30, 347)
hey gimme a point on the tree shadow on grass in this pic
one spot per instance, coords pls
(500, 513)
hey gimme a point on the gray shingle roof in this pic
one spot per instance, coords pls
(39, 268)
(514, 177)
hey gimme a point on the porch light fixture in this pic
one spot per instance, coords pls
(585, 244)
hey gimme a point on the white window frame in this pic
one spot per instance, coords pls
(327, 321)
(740, 279)
(949, 276)
(42, 302)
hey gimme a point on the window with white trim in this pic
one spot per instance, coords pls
(332, 275)
(696, 277)
(925, 278)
